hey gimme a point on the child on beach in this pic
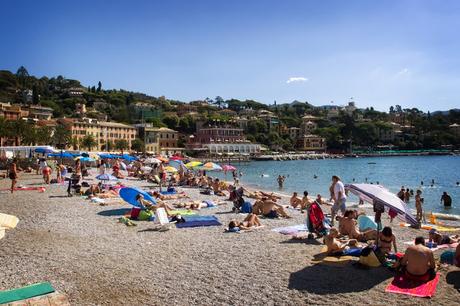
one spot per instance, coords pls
(418, 205)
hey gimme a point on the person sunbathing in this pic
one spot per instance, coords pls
(295, 201)
(386, 239)
(250, 221)
(334, 246)
(269, 209)
(216, 188)
(92, 190)
(418, 261)
(164, 197)
(436, 237)
(147, 205)
(348, 227)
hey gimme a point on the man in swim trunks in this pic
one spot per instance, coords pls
(295, 201)
(418, 261)
(269, 209)
(401, 193)
(418, 205)
(339, 197)
(446, 199)
(348, 227)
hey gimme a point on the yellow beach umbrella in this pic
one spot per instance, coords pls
(170, 169)
(193, 164)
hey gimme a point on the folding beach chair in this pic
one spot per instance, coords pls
(161, 219)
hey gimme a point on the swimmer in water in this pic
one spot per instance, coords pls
(421, 183)
(315, 176)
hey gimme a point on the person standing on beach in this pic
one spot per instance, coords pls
(13, 175)
(339, 197)
(446, 199)
(418, 205)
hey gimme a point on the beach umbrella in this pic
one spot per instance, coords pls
(84, 154)
(105, 155)
(146, 168)
(162, 159)
(228, 168)
(61, 155)
(129, 194)
(170, 169)
(128, 157)
(193, 164)
(87, 159)
(376, 194)
(176, 157)
(152, 160)
(44, 150)
(106, 177)
(210, 166)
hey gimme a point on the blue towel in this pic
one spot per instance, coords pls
(196, 221)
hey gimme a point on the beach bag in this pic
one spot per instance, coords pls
(145, 215)
(246, 208)
(369, 258)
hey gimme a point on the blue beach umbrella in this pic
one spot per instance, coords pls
(61, 155)
(108, 156)
(87, 159)
(129, 194)
(128, 157)
(44, 150)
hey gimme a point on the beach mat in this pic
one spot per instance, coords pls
(40, 188)
(323, 258)
(182, 212)
(197, 221)
(402, 285)
(291, 230)
(27, 292)
(439, 228)
(8, 221)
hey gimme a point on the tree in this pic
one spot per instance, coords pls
(171, 121)
(99, 86)
(43, 135)
(61, 136)
(93, 89)
(23, 75)
(75, 143)
(137, 145)
(121, 145)
(35, 95)
(88, 142)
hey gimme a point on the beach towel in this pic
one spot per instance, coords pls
(439, 228)
(197, 221)
(8, 221)
(27, 292)
(402, 285)
(2, 232)
(323, 258)
(291, 230)
(39, 189)
(182, 212)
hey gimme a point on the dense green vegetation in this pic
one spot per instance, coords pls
(361, 129)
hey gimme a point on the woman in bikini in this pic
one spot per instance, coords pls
(386, 239)
(251, 220)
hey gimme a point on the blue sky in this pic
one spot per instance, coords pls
(381, 53)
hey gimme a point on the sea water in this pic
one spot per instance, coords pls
(314, 176)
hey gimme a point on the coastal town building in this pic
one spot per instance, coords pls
(75, 92)
(455, 128)
(312, 143)
(103, 132)
(270, 119)
(159, 140)
(221, 139)
(39, 112)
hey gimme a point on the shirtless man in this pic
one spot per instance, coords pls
(334, 246)
(164, 197)
(269, 209)
(295, 201)
(348, 226)
(305, 201)
(419, 261)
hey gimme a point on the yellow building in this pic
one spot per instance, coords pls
(312, 143)
(103, 132)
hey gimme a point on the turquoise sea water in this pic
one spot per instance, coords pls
(391, 172)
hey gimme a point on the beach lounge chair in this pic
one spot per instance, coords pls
(161, 220)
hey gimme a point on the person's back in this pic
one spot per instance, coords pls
(418, 259)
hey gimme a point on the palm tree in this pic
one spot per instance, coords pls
(88, 142)
(75, 143)
(121, 144)
(61, 136)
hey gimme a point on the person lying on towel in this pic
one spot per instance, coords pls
(164, 197)
(269, 209)
(250, 221)
(418, 262)
(348, 227)
(334, 246)
(147, 205)
(436, 237)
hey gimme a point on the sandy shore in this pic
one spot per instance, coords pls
(84, 252)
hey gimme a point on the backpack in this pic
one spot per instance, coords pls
(369, 257)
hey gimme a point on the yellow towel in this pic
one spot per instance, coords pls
(2, 232)
(8, 221)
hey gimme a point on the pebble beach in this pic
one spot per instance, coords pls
(84, 252)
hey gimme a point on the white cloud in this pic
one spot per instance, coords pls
(296, 79)
(403, 72)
